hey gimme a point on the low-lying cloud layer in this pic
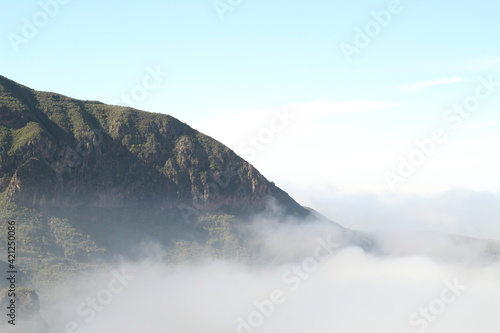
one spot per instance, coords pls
(308, 279)
(461, 212)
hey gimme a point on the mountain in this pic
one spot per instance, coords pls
(60, 152)
(86, 180)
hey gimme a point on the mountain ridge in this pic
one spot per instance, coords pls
(165, 154)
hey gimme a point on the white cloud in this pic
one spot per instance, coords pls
(462, 212)
(305, 110)
(343, 290)
(421, 85)
(309, 119)
(321, 108)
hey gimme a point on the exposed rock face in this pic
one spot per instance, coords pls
(27, 315)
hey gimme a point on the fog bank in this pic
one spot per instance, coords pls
(308, 279)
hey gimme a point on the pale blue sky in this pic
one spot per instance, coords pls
(222, 74)
(265, 53)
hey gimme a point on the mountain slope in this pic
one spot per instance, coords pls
(61, 152)
(85, 180)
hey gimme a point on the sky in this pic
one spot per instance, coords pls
(382, 115)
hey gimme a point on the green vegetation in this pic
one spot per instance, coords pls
(46, 254)
(221, 242)
(5, 139)
(75, 244)
(28, 134)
